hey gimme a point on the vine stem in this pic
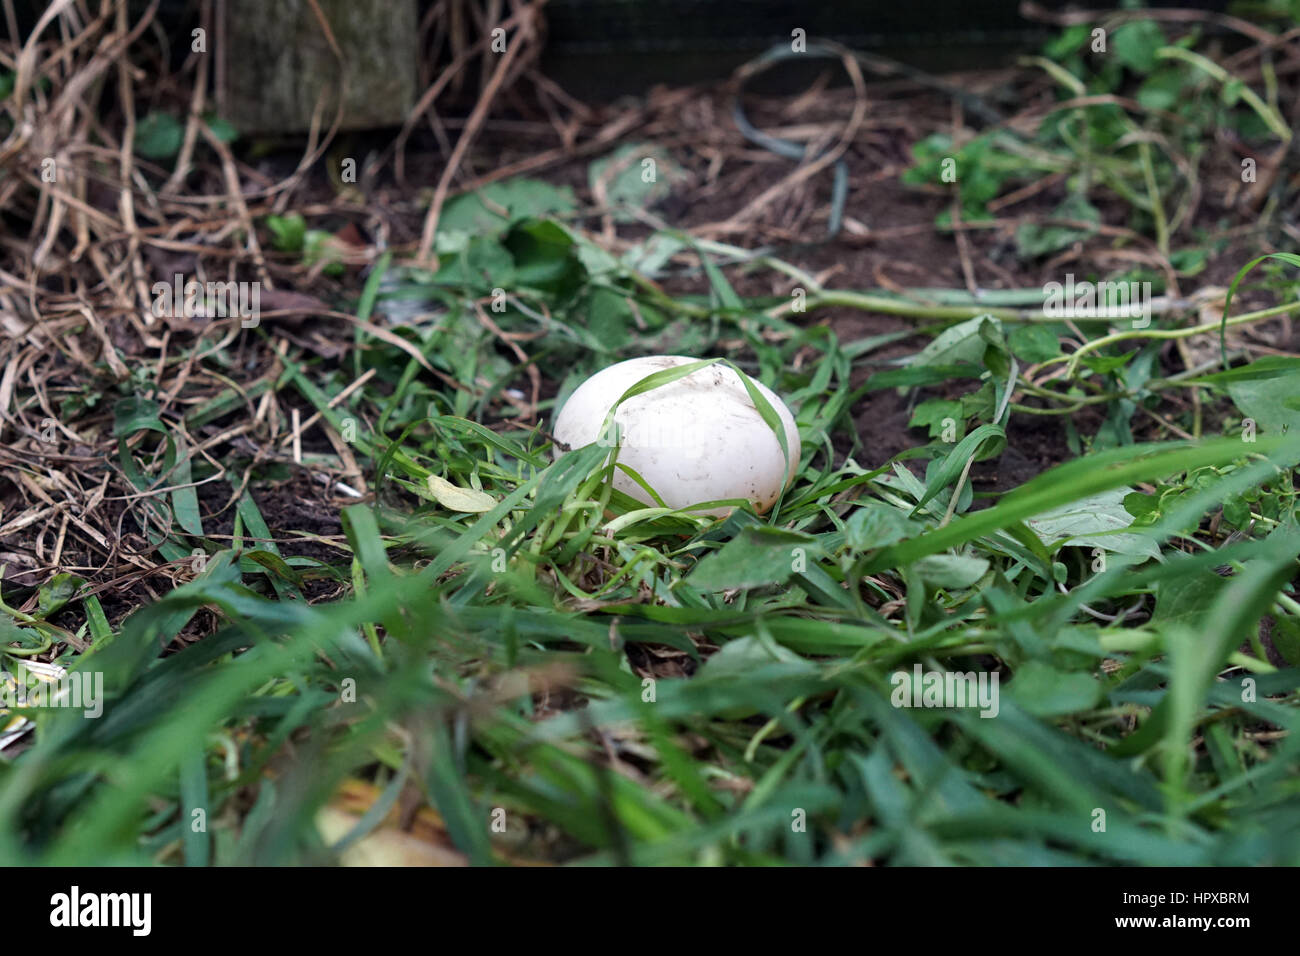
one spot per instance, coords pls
(1264, 111)
(1073, 358)
(869, 302)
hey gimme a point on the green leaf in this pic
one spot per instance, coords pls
(159, 136)
(1044, 691)
(134, 413)
(972, 446)
(760, 555)
(933, 414)
(57, 592)
(958, 344)
(951, 571)
(273, 563)
(492, 210)
(1105, 364)
(1094, 522)
(1034, 240)
(1190, 261)
(223, 130)
(1163, 89)
(544, 256)
(1186, 599)
(1141, 505)
(1231, 92)
(1271, 402)
(320, 245)
(1236, 511)
(288, 233)
(185, 497)
(1034, 342)
(1286, 638)
(1070, 40)
(629, 182)
(1135, 44)
(876, 524)
(737, 658)
(610, 318)
(481, 265)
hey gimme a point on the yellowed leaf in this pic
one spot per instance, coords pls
(459, 499)
(383, 846)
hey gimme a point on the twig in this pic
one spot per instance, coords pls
(425, 254)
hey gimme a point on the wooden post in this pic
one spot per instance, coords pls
(278, 61)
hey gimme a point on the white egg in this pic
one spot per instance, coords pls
(698, 438)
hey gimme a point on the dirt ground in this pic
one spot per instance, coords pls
(889, 241)
(900, 247)
(893, 242)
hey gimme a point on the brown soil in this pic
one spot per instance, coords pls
(911, 252)
(889, 241)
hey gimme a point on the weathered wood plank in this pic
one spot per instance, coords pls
(278, 63)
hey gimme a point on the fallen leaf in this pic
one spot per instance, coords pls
(455, 498)
(384, 846)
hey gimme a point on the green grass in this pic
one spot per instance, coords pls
(783, 746)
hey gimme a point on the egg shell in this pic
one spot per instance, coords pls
(699, 438)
